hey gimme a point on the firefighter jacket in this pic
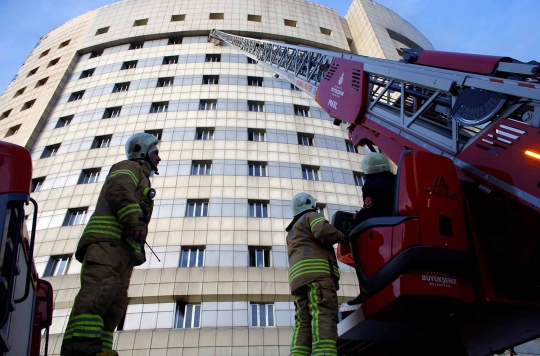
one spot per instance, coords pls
(123, 205)
(310, 243)
(378, 193)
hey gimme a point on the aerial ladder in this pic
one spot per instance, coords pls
(456, 269)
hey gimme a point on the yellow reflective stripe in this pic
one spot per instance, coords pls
(101, 231)
(315, 222)
(106, 227)
(128, 209)
(135, 246)
(312, 270)
(308, 262)
(127, 172)
(110, 220)
(314, 309)
(85, 316)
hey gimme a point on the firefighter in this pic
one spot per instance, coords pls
(313, 278)
(111, 245)
(378, 190)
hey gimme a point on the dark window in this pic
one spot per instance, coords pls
(257, 135)
(129, 65)
(102, 30)
(255, 81)
(254, 18)
(251, 60)
(262, 314)
(259, 256)
(53, 62)
(156, 133)
(326, 31)
(301, 110)
(165, 82)
(170, 60)
(213, 58)
(162, 106)
(305, 139)
(13, 130)
(208, 104)
(258, 209)
(37, 183)
(358, 178)
(5, 114)
(210, 79)
(192, 256)
(64, 121)
(141, 22)
(44, 53)
(50, 151)
(257, 169)
(87, 73)
(310, 172)
(320, 209)
(201, 168)
(97, 53)
(217, 16)
(204, 133)
(181, 17)
(102, 141)
(64, 44)
(32, 72)
(350, 147)
(28, 105)
(89, 176)
(257, 106)
(120, 87)
(197, 208)
(42, 82)
(187, 316)
(76, 216)
(78, 95)
(19, 92)
(290, 23)
(111, 113)
(294, 87)
(57, 266)
(175, 41)
(136, 45)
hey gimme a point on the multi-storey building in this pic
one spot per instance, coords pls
(237, 144)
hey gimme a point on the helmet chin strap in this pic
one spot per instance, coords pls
(147, 159)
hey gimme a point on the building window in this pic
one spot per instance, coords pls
(290, 23)
(175, 41)
(41, 82)
(53, 62)
(294, 87)
(210, 79)
(258, 209)
(19, 92)
(305, 139)
(37, 183)
(255, 81)
(254, 18)
(112, 112)
(102, 141)
(197, 208)
(310, 173)
(32, 72)
(213, 58)
(257, 106)
(201, 168)
(89, 176)
(217, 16)
(259, 256)
(135, 45)
(44, 53)
(13, 130)
(57, 266)
(5, 114)
(159, 107)
(129, 65)
(257, 135)
(262, 314)
(251, 60)
(87, 73)
(170, 60)
(326, 31)
(141, 22)
(165, 82)
(301, 110)
(208, 104)
(64, 44)
(257, 169)
(78, 95)
(96, 54)
(188, 316)
(120, 87)
(156, 133)
(320, 209)
(192, 256)
(76, 216)
(181, 17)
(64, 121)
(350, 147)
(102, 30)
(204, 133)
(358, 178)
(50, 151)
(28, 105)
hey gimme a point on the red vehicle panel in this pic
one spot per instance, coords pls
(472, 63)
(15, 169)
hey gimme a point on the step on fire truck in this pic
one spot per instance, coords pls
(456, 269)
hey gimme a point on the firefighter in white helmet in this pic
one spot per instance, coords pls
(112, 243)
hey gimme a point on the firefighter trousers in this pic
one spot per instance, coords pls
(102, 300)
(315, 329)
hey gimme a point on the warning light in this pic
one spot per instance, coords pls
(532, 154)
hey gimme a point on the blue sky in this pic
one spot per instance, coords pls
(496, 27)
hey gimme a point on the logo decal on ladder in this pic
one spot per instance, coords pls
(341, 78)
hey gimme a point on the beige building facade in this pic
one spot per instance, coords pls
(237, 144)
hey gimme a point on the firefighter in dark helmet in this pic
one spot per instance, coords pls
(313, 278)
(112, 243)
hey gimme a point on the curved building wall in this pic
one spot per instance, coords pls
(85, 112)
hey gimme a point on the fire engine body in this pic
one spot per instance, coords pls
(455, 269)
